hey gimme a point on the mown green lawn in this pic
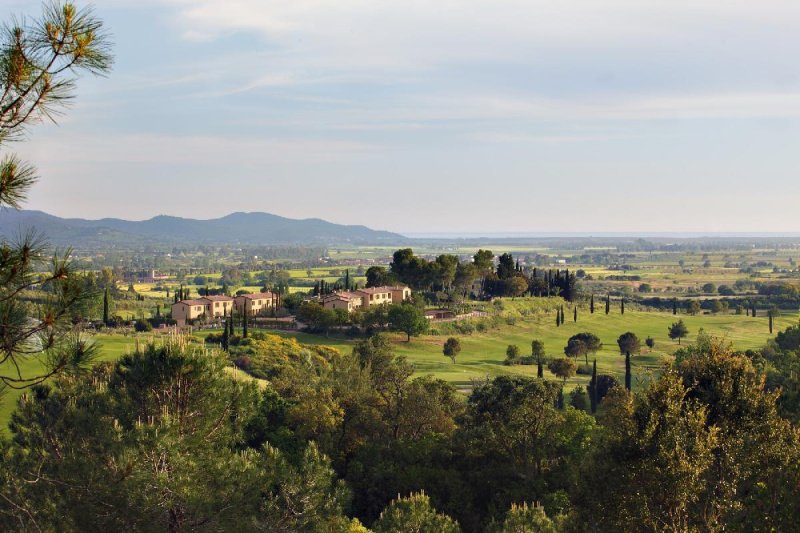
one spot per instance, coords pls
(483, 354)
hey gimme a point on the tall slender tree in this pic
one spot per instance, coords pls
(622, 306)
(593, 388)
(608, 303)
(575, 314)
(225, 336)
(562, 314)
(628, 343)
(591, 304)
(244, 324)
(105, 307)
(674, 306)
(628, 371)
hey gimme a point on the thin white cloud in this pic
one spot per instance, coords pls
(59, 150)
(415, 33)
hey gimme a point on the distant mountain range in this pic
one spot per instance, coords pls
(236, 228)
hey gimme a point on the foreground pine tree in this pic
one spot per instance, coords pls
(39, 62)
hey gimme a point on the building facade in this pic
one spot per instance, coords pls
(187, 310)
(351, 300)
(342, 300)
(255, 304)
(218, 305)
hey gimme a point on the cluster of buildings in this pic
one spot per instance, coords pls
(218, 306)
(264, 303)
(351, 300)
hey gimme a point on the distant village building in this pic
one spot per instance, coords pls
(218, 305)
(255, 304)
(208, 306)
(342, 300)
(145, 276)
(187, 310)
(351, 300)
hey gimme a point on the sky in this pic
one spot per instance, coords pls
(474, 116)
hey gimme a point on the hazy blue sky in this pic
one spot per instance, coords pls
(446, 115)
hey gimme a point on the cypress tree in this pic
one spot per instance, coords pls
(244, 324)
(608, 303)
(347, 279)
(593, 388)
(539, 368)
(575, 314)
(770, 323)
(754, 310)
(628, 371)
(562, 314)
(591, 304)
(158, 310)
(225, 336)
(622, 306)
(558, 318)
(105, 307)
(560, 403)
(674, 306)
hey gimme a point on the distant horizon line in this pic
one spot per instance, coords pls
(596, 234)
(472, 234)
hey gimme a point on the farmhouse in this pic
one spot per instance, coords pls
(351, 300)
(210, 306)
(375, 295)
(218, 305)
(188, 310)
(342, 300)
(255, 304)
(145, 276)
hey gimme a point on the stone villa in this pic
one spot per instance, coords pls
(351, 300)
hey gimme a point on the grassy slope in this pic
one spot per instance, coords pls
(483, 353)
